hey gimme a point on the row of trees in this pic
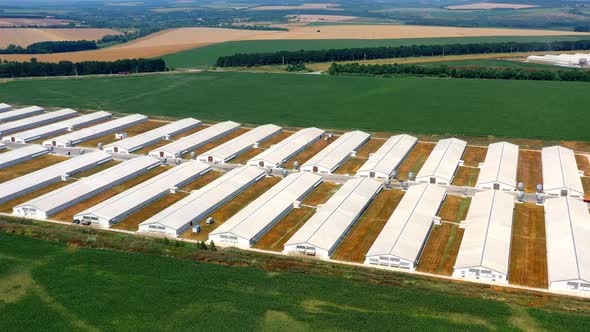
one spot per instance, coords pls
(353, 54)
(445, 71)
(51, 47)
(67, 68)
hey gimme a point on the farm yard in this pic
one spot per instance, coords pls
(530, 170)
(440, 251)
(454, 208)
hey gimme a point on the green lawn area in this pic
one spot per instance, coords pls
(207, 56)
(48, 286)
(521, 109)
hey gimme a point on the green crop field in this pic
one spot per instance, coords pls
(48, 286)
(207, 56)
(518, 109)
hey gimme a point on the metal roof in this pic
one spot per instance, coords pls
(326, 227)
(280, 152)
(20, 113)
(5, 107)
(242, 142)
(560, 169)
(137, 196)
(199, 138)
(444, 159)
(254, 218)
(500, 165)
(488, 232)
(567, 229)
(200, 202)
(390, 155)
(100, 129)
(171, 129)
(27, 152)
(14, 126)
(50, 129)
(13, 188)
(334, 154)
(408, 226)
(93, 184)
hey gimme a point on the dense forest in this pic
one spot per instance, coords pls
(67, 68)
(352, 54)
(51, 47)
(445, 71)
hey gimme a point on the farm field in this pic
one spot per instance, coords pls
(284, 229)
(487, 107)
(441, 249)
(454, 208)
(131, 223)
(529, 170)
(131, 131)
(27, 36)
(491, 5)
(361, 236)
(466, 176)
(67, 215)
(415, 159)
(206, 56)
(528, 252)
(37, 276)
(182, 39)
(223, 213)
(29, 21)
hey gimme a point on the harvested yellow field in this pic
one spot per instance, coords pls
(320, 18)
(26, 21)
(491, 5)
(25, 36)
(325, 6)
(174, 40)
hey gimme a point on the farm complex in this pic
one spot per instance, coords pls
(279, 189)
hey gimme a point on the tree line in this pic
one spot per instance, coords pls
(51, 47)
(357, 54)
(445, 71)
(67, 68)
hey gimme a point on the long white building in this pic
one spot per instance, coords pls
(151, 137)
(278, 154)
(335, 154)
(567, 229)
(484, 253)
(25, 184)
(20, 113)
(252, 222)
(5, 107)
(560, 172)
(178, 217)
(237, 146)
(57, 128)
(118, 207)
(388, 157)
(322, 233)
(192, 142)
(400, 243)
(37, 120)
(442, 163)
(20, 155)
(98, 130)
(58, 200)
(499, 169)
